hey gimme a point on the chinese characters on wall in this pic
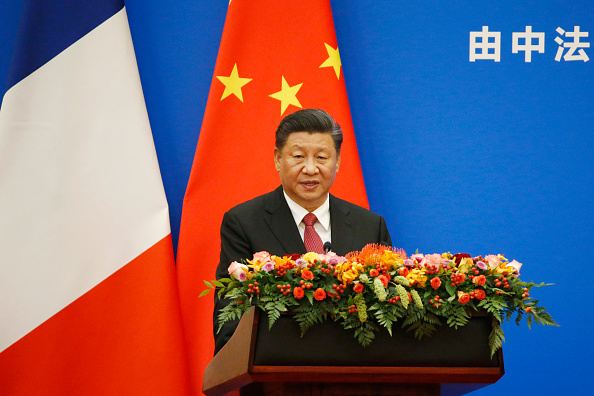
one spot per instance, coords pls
(486, 45)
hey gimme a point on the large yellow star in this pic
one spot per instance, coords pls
(233, 84)
(333, 60)
(287, 95)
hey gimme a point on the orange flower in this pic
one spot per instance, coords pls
(403, 271)
(384, 280)
(358, 288)
(298, 293)
(479, 280)
(479, 294)
(373, 272)
(435, 283)
(307, 275)
(319, 294)
(463, 298)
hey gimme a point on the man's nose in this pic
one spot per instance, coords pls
(310, 166)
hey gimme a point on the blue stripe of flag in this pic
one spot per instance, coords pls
(48, 27)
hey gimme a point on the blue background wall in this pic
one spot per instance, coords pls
(482, 157)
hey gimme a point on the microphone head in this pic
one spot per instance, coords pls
(327, 247)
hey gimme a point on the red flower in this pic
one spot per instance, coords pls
(358, 288)
(479, 294)
(298, 293)
(319, 294)
(459, 256)
(435, 283)
(384, 280)
(374, 272)
(463, 298)
(307, 275)
(403, 271)
(479, 280)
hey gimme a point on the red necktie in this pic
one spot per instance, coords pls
(313, 242)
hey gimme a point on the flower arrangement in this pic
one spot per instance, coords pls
(378, 287)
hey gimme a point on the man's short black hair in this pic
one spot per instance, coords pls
(308, 120)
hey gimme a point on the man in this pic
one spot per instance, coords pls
(307, 158)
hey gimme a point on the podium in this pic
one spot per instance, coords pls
(328, 361)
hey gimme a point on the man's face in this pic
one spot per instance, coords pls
(307, 166)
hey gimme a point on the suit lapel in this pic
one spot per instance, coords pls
(280, 220)
(342, 227)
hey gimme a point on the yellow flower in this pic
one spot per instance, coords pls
(310, 257)
(280, 261)
(505, 269)
(417, 276)
(465, 265)
(348, 271)
(391, 259)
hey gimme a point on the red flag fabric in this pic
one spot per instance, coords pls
(275, 58)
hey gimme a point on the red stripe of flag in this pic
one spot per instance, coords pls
(120, 338)
(275, 58)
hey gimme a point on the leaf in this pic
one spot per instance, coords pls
(208, 284)
(205, 292)
(451, 290)
(496, 337)
(218, 284)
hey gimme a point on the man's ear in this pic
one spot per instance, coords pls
(277, 157)
(337, 162)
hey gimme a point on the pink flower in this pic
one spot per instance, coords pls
(269, 266)
(409, 263)
(261, 256)
(238, 271)
(493, 261)
(301, 263)
(418, 258)
(433, 259)
(481, 265)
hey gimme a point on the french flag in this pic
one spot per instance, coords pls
(88, 294)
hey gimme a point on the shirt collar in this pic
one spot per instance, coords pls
(298, 212)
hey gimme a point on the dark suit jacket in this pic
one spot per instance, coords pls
(265, 223)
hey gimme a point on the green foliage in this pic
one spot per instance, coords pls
(364, 332)
(494, 306)
(496, 337)
(457, 316)
(498, 291)
(307, 317)
(229, 313)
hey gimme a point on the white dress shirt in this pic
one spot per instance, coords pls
(322, 213)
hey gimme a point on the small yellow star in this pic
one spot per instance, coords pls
(333, 60)
(287, 95)
(233, 84)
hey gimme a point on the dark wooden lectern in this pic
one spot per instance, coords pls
(328, 361)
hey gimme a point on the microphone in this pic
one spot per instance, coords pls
(328, 247)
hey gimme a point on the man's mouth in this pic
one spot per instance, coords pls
(310, 184)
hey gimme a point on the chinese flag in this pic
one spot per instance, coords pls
(89, 303)
(275, 58)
